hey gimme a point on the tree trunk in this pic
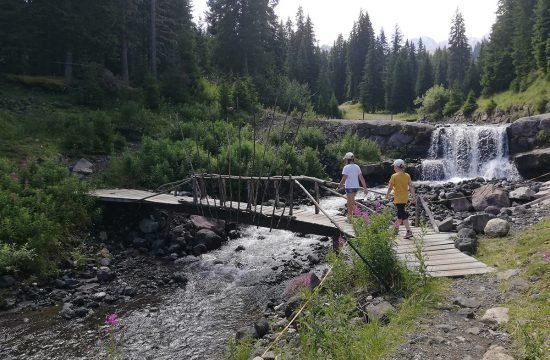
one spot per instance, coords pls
(124, 35)
(153, 37)
(68, 52)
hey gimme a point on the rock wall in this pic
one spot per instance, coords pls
(400, 138)
(529, 133)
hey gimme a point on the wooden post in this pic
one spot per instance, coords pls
(291, 197)
(195, 190)
(316, 197)
(417, 212)
(248, 196)
(276, 187)
(429, 213)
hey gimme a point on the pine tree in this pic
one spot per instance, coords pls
(459, 51)
(424, 79)
(338, 67)
(390, 65)
(360, 40)
(440, 67)
(521, 43)
(541, 32)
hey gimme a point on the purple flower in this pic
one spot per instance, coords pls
(357, 211)
(366, 216)
(546, 256)
(341, 241)
(377, 205)
(111, 320)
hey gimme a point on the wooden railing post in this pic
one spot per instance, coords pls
(276, 187)
(291, 197)
(195, 190)
(316, 197)
(248, 195)
(417, 212)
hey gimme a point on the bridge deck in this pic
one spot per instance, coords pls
(442, 258)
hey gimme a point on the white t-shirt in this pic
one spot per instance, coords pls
(352, 171)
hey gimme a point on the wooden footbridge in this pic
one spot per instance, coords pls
(224, 197)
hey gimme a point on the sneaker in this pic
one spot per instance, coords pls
(409, 235)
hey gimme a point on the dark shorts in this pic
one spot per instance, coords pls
(402, 213)
(352, 190)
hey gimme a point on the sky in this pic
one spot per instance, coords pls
(415, 18)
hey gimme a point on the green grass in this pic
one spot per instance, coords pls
(538, 92)
(354, 111)
(527, 251)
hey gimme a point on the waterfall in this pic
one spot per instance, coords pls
(462, 152)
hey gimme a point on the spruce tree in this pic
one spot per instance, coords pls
(541, 32)
(459, 51)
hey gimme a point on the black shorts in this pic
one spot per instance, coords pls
(402, 213)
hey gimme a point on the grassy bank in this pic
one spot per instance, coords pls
(354, 111)
(528, 252)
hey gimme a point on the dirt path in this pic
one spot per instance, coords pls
(455, 329)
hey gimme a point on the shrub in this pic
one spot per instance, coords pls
(151, 92)
(312, 137)
(42, 204)
(364, 150)
(134, 121)
(491, 107)
(91, 133)
(456, 99)
(48, 83)
(433, 103)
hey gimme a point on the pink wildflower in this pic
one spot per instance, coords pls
(546, 256)
(377, 205)
(366, 216)
(357, 211)
(341, 241)
(111, 320)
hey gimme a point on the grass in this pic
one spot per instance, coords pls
(529, 252)
(538, 92)
(354, 111)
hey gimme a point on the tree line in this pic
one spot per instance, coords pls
(252, 56)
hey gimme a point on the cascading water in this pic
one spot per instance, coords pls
(462, 152)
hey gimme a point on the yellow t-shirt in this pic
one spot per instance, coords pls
(400, 182)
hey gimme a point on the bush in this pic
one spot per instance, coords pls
(491, 107)
(433, 103)
(48, 83)
(456, 99)
(312, 137)
(91, 133)
(42, 204)
(365, 150)
(134, 121)
(151, 92)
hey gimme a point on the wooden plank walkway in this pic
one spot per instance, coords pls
(441, 256)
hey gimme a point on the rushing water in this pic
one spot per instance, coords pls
(226, 290)
(462, 152)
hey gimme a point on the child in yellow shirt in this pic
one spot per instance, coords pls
(402, 185)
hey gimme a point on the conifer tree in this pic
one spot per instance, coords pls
(459, 51)
(541, 32)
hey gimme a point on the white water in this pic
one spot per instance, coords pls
(461, 152)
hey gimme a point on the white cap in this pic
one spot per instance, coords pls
(348, 156)
(399, 163)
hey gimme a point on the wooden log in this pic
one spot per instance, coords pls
(429, 213)
(316, 197)
(195, 191)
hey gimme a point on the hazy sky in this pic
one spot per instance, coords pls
(415, 17)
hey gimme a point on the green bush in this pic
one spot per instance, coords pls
(456, 99)
(433, 103)
(365, 150)
(42, 204)
(151, 92)
(134, 121)
(312, 137)
(491, 107)
(90, 133)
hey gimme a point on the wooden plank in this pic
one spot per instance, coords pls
(462, 266)
(431, 253)
(427, 249)
(444, 262)
(427, 244)
(458, 257)
(462, 272)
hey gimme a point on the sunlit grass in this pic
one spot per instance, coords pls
(529, 252)
(354, 111)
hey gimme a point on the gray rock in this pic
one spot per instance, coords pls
(104, 262)
(180, 277)
(496, 315)
(522, 194)
(7, 303)
(303, 281)
(208, 238)
(262, 327)
(497, 228)
(506, 275)
(104, 274)
(313, 259)
(445, 328)
(215, 225)
(446, 225)
(458, 202)
(67, 312)
(506, 211)
(240, 248)
(148, 226)
(247, 332)
(533, 163)
(99, 296)
(518, 284)
(467, 302)
(380, 311)
(292, 305)
(270, 355)
(473, 330)
(489, 195)
(140, 242)
(466, 312)
(6, 281)
(496, 352)
(492, 210)
(81, 311)
(466, 240)
(157, 244)
(478, 221)
(199, 249)
(84, 167)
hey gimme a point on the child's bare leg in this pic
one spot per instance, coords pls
(407, 225)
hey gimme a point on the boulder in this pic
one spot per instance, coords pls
(497, 228)
(292, 305)
(496, 315)
(496, 352)
(446, 225)
(208, 238)
(533, 163)
(262, 327)
(215, 225)
(522, 194)
(199, 249)
(247, 332)
(522, 133)
(303, 281)
(148, 226)
(478, 221)
(493, 210)
(466, 240)
(104, 274)
(180, 277)
(489, 195)
(6, 281)
(458, 202)
(83, 167)
(380, 311)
